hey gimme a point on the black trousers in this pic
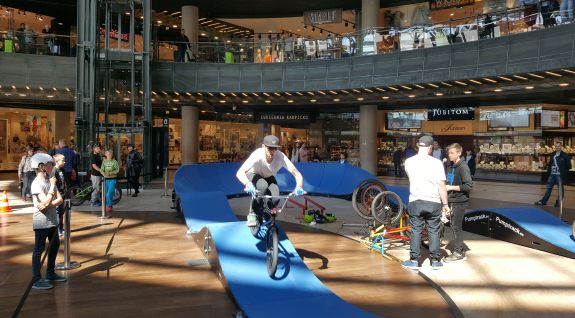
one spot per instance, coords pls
(40, 243)
(267, 186)
(457, 212)
(134, 181)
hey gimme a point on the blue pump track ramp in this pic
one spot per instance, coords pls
(527, 226)
(294, 291)
(239, 258)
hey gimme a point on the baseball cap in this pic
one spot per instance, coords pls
(425, 141)
(271, 141)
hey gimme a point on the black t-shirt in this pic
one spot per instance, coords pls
(95, 159)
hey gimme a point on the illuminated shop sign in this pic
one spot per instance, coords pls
(322, 16)
(114, 34)
(452, 113)
(445, 4)
(283, 117)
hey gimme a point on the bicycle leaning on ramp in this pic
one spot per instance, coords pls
(79, 194)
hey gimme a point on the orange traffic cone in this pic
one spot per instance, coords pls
(4, 205)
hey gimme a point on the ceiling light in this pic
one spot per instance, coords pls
(360, 99)
(368, 90)
(446, 84)
(433, 85)
(417, 85)
(411, 96)
(175, 100)
(13, 87)
(344, 91)
(406, 87)
(199, 101)
(536, 76)
(568, 71)
(529, 87)
(268, 101)
(27, 87)
(333, 92)
(321, 92)
(222, 101)
(355, 91)
(460, 83)
(467, 92)
(520, 77)
(384, 97)
(52, 96)
(564, 84)
(505, 78)
(336, 99)
(438, 94)
(276, 93)
(393, 88)
(313, 100)
(22, 95)
(245, 101)
(554, 74)
(382, 90)
(476, 82)
(299, 93)
(490, 80)
(290, 101)
(266, 94)
(497, 90)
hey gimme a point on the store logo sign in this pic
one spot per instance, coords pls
(452, 113)
(322, 16)
(283, 117)
(444, 4)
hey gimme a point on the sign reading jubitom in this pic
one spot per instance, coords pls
(451, 113)
(445, 4)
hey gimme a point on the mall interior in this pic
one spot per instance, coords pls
(202, 82)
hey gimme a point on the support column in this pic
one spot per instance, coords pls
(369, 13)
(190, 16)
(190, 134)
(368, 138)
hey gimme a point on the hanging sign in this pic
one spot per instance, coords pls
(451, 113)
(452, 127)
(445, 4)
(283, 117)
(322, 16)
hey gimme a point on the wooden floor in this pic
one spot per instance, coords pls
(135, 265)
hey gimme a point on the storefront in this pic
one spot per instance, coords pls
(22, 127)
(511, 143)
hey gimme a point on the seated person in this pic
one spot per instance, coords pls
(258, 172)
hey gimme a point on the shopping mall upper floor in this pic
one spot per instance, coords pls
(515, 52)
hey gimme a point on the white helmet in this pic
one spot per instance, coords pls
(40, 158)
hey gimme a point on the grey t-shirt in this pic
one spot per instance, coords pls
(48, 217)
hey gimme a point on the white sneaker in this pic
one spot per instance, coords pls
(252, 219)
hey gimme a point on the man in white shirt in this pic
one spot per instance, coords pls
(427, 202)
(260, 170)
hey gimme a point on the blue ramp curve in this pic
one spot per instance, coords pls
(294, 292)
(527, 226)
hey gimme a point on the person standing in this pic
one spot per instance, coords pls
(134, 165)
(459, 185)
(470, 160)
(303, 153)
(566, 11)
(26, 173)
(70, 158)
(62, 188)
(183, 45)
(343, 158)
(109, 170)
(397, 157)
(558, 169)
(46, 198)
(95, 174)
(427, 202)
(438, 152)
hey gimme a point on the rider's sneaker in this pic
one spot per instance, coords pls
(252, 219)
(456, 257)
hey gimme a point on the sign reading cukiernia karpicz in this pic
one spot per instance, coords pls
(283, 117)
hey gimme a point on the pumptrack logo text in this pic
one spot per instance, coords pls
(509, 226)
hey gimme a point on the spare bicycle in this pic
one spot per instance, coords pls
(267, 218)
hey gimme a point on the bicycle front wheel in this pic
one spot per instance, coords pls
(387, 208)
(272, 250)
(363, 196)
(78, 195)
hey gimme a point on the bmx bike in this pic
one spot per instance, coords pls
(79, 194)
(267, 218)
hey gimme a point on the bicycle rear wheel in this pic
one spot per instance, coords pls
(117, 195)
(386, 208)
(272, 250)
(363, 196)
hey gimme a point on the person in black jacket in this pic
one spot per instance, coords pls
(470, 160)
(558, 168)
(397, 158)
(459, 185)
(134, 165)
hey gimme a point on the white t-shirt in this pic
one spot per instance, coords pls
(258, 164)
(49, 217)
(424, 172)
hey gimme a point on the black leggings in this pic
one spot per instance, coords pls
(267, 186)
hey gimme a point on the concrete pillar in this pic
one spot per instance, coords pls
(62, 126)
(369, 13)
(190, 134)
(368, 138)
(190, 15)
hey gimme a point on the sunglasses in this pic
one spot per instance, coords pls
(272, 149)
